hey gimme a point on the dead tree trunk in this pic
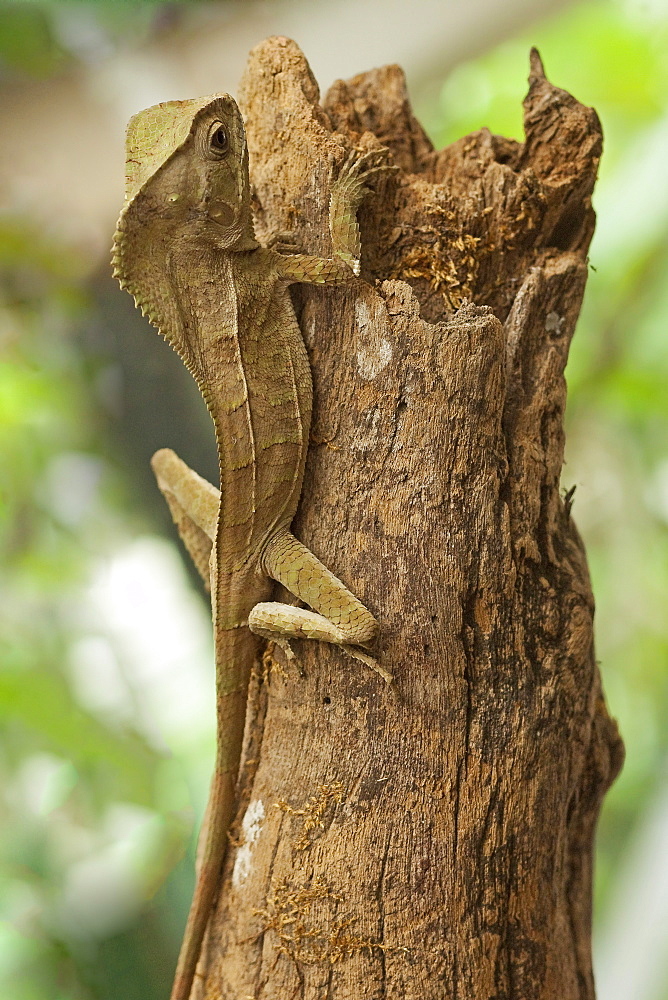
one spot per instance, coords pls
(434, 842)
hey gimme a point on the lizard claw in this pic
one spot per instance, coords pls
(359, 654)
(357, 168)
(357, 163)
(285, 646)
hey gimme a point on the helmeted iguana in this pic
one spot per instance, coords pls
(185, 247)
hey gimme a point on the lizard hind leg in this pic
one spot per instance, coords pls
(193, 503)
(338, 617)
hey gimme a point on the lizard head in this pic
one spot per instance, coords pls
(186, 176)
(187, 164)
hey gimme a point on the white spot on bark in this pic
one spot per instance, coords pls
(554, 322)
(371, 362)
(250, 829)
(372, 358)
(362, 313)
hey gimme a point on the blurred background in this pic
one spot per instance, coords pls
(106, 681)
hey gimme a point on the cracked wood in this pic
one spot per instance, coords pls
(458, 862)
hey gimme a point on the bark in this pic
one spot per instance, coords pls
(434, 840)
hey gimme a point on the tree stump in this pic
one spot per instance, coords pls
(431, 840)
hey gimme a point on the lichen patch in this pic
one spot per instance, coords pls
(251, 828)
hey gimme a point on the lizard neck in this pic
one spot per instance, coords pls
(146, 245)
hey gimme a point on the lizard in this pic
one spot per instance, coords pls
(185, 248)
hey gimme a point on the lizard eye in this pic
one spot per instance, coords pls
(218, 140)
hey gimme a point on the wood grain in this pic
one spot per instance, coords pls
(435, 841)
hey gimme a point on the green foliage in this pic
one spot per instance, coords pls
(27, 42)
(63, 766)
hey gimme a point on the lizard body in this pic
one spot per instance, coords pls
(185, 248)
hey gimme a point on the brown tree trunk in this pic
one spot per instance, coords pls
(434, 841)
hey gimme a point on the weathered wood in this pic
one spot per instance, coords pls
(435, 842)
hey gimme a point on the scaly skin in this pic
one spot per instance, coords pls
(186, 249)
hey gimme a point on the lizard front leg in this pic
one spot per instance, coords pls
(348, 192)
(342, 619)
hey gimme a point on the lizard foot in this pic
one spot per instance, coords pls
(357, 168)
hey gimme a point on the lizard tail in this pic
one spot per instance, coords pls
(213, 853)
